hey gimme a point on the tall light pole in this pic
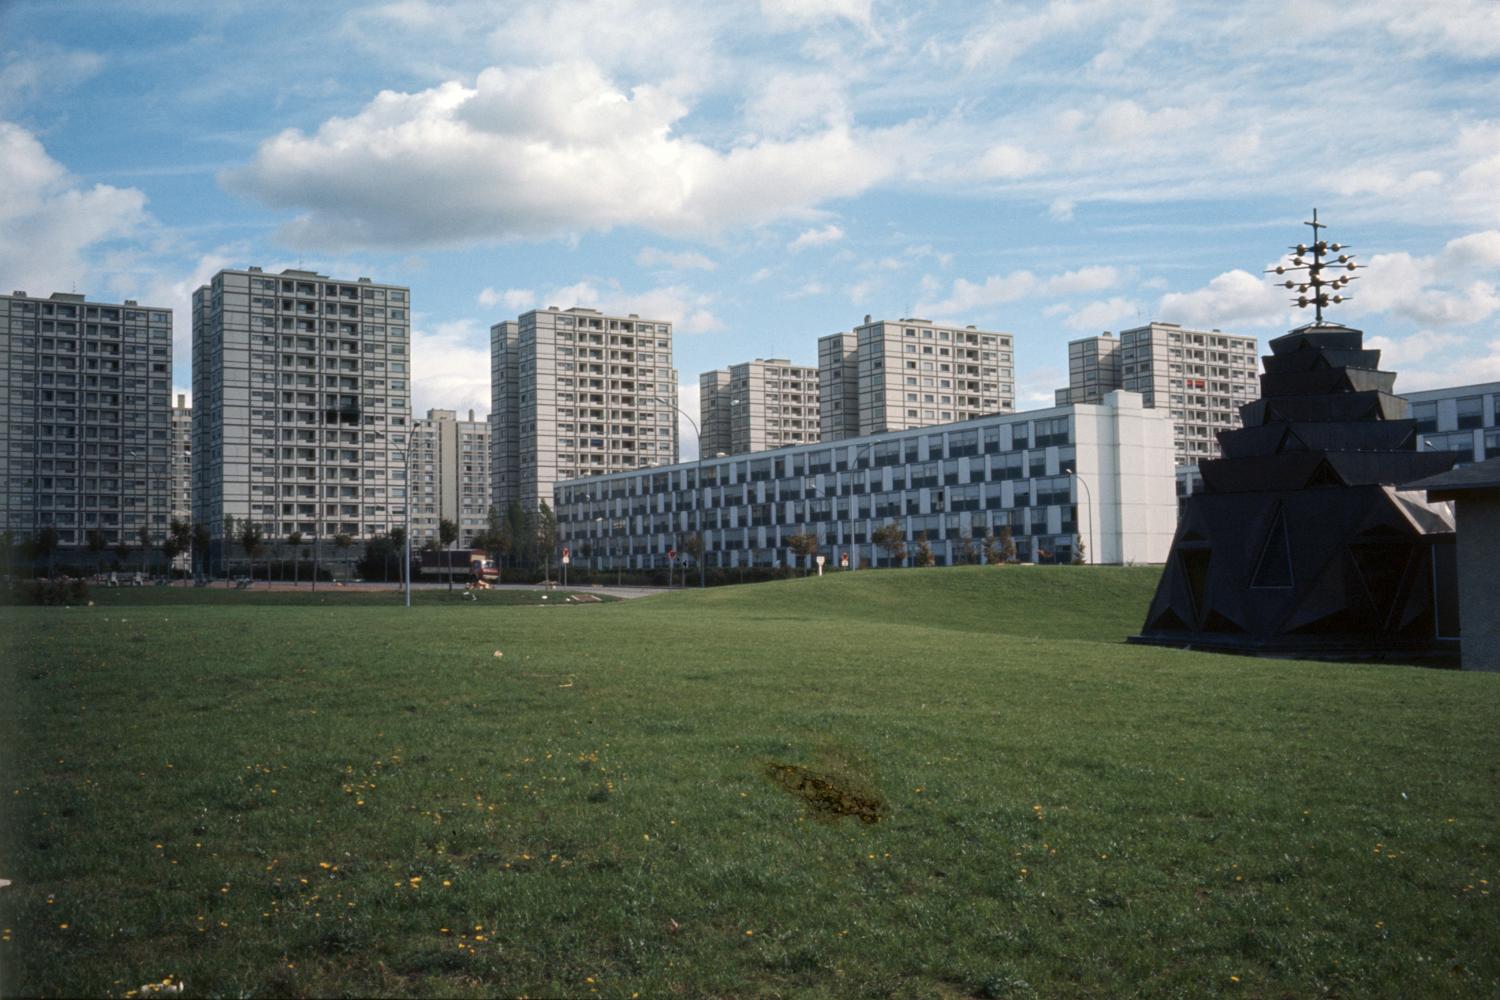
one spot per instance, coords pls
(406, 558)
(853, 562)
(146, 458)
(1089, 495)
(702, 540)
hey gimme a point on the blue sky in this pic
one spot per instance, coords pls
(764, 174)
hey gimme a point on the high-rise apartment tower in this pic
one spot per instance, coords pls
(757, 405)
(85, 418)
(302, 403)
(913, 373)
(1201, 376)
(452, 475)
(182, 459)
(578, 393)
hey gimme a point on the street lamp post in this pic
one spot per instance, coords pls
(854, 561)
(1088, 495)
(407, 456)
(702, 541)
(146, 458)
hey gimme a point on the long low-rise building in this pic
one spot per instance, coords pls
(1100, 474)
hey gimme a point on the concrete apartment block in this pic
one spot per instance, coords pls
(451, 477)
(1093, 370)
(914, 373)
(85, 417)
(182, 459)
(838, 386)
(1099, 474)
(1462, 418)
(578, 393)
(758, 405)
(714, 405)
(302, 403)
(1201, 377)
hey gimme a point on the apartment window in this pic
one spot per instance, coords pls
(1470, 412)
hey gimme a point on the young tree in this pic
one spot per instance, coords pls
(546, 538)
(228, 542)
(397, 535)
(122, 554)
(991, 549)
(44, 546)
(181, 534)
(447, 535)
(1007, 544)
(97, 543)
(144, 537)
(496, 542)
(202, 540)
(170, 549)
(295, 541)
(964, 552)
(922, 555)
(518, 529)
(251, 539)
(693, 546)
(343, 541)
(805, 545)
(892, 538)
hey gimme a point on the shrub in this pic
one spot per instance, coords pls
(61, 591)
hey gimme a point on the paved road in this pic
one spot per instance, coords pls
(626, 593)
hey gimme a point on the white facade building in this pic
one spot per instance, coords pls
(1100, 474)
(85, 418)
(912, 373)
(451, 475)
(182, 460)
(756, 406)
(1461, 418)
(302, 404)
(1201, 377)
(578, 393)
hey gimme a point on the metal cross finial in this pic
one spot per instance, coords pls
(1314, 280)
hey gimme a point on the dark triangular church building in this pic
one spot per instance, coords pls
(1302, 541)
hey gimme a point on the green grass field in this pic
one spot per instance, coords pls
(644, 797)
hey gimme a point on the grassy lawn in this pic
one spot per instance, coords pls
(644, 797)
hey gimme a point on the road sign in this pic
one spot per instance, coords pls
(671, 553)
(821, 559)
(844, 560)
(567, 556)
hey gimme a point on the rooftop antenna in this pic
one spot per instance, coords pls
(1314, 280)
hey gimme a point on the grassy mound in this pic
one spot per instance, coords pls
(941, 783)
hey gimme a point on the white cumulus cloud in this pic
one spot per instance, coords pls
(1234, 297)
(686, 260)
(816, 238)
(535, 152)
(1001, 288)
(450, 368)
(516, 300)
(50, 222)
